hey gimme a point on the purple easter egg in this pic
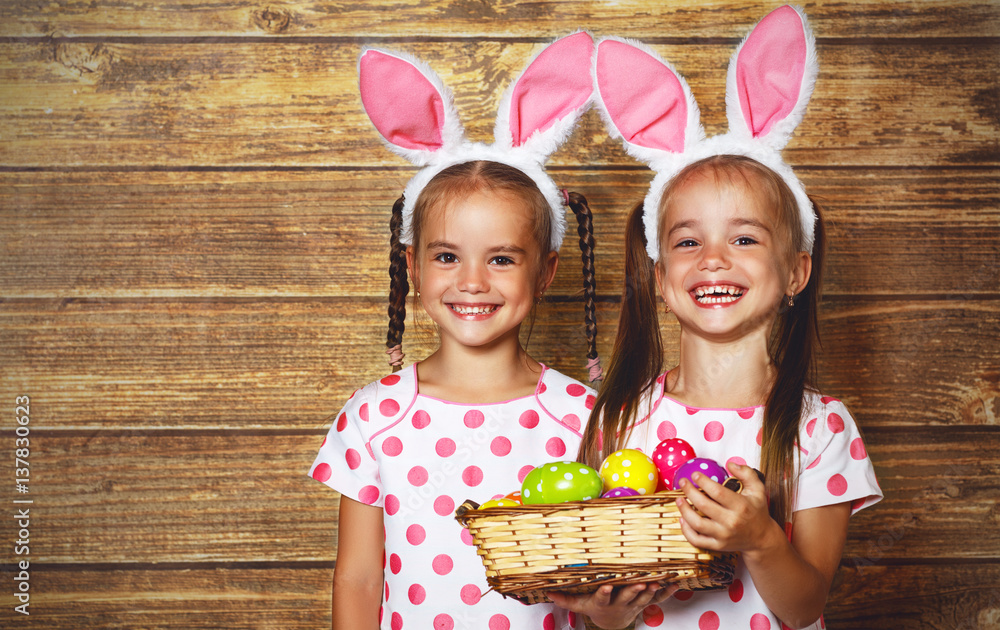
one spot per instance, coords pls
(623, 491)
(708, 467)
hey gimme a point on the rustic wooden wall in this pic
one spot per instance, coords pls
(193, 245)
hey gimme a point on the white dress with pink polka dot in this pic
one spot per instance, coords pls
(419, 458)
(833, 468)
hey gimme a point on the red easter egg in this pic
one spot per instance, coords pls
(669, 455)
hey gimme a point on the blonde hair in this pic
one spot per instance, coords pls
(753, 177)
(637, 355)
(461, 180)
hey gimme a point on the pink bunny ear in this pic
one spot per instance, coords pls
(771, 77)
(407, 103)
(644, 101)
(548, 97)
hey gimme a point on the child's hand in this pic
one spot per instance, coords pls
(728, 521)
(612, 607)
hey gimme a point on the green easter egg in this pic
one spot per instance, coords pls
(559, 482)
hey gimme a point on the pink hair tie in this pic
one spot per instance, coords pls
(395, 355)
(594, 366)
(565, 195)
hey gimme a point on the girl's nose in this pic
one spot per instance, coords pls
(714, 257)
(473, 279)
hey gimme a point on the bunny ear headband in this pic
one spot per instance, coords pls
(646, 104)
(416, 116)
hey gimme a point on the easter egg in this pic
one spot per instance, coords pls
(668, 456)
(630, 468)
(708, 467)
(559, 482)
(616, 493)
(502, 502)
(531, 487)
(514, 496)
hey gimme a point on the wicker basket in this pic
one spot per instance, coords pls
(578, 547)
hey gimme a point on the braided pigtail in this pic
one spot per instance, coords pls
(399, 287)
(585, 219)
(636, 356)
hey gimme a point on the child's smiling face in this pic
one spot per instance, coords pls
(479, 267)
(724, 266)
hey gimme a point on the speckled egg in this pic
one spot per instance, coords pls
(708, 467)
(630, 468)
(531, 487)
(616, 493)
(514, 496)
(668, 456)
(559, 482)
(502, 502)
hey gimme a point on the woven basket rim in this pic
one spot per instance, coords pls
(577, 546)
(473, 510)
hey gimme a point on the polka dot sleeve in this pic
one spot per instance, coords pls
(345, 462)
(834, 465)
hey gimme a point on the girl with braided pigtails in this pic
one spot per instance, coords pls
(495, 176)
(477, 234)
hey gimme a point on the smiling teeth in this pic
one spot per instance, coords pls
(473, 310)
(718, 294)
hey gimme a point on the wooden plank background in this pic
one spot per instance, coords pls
(193, 214)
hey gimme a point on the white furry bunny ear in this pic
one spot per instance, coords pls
(539, 109)
(649, 106)
(644, 101)
(409, 105)
(771, 78)
(415, 114)
(646, 104)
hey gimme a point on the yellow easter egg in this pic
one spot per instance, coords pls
(502, 502)
(630, 468)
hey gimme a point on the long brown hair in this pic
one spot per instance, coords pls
(464, 179)
(637, 355)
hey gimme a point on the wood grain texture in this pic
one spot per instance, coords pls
(145, 364)
(892, 359)
(193, 214)
(262, 597)
(124, 364)
(116, 105)
(325, 233)
(456, 18)
(200, 497)
(938, 486)
(917, 596)
(107, 497)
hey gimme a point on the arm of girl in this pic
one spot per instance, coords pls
(357, 578)
(793, 577)
(612, 608)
